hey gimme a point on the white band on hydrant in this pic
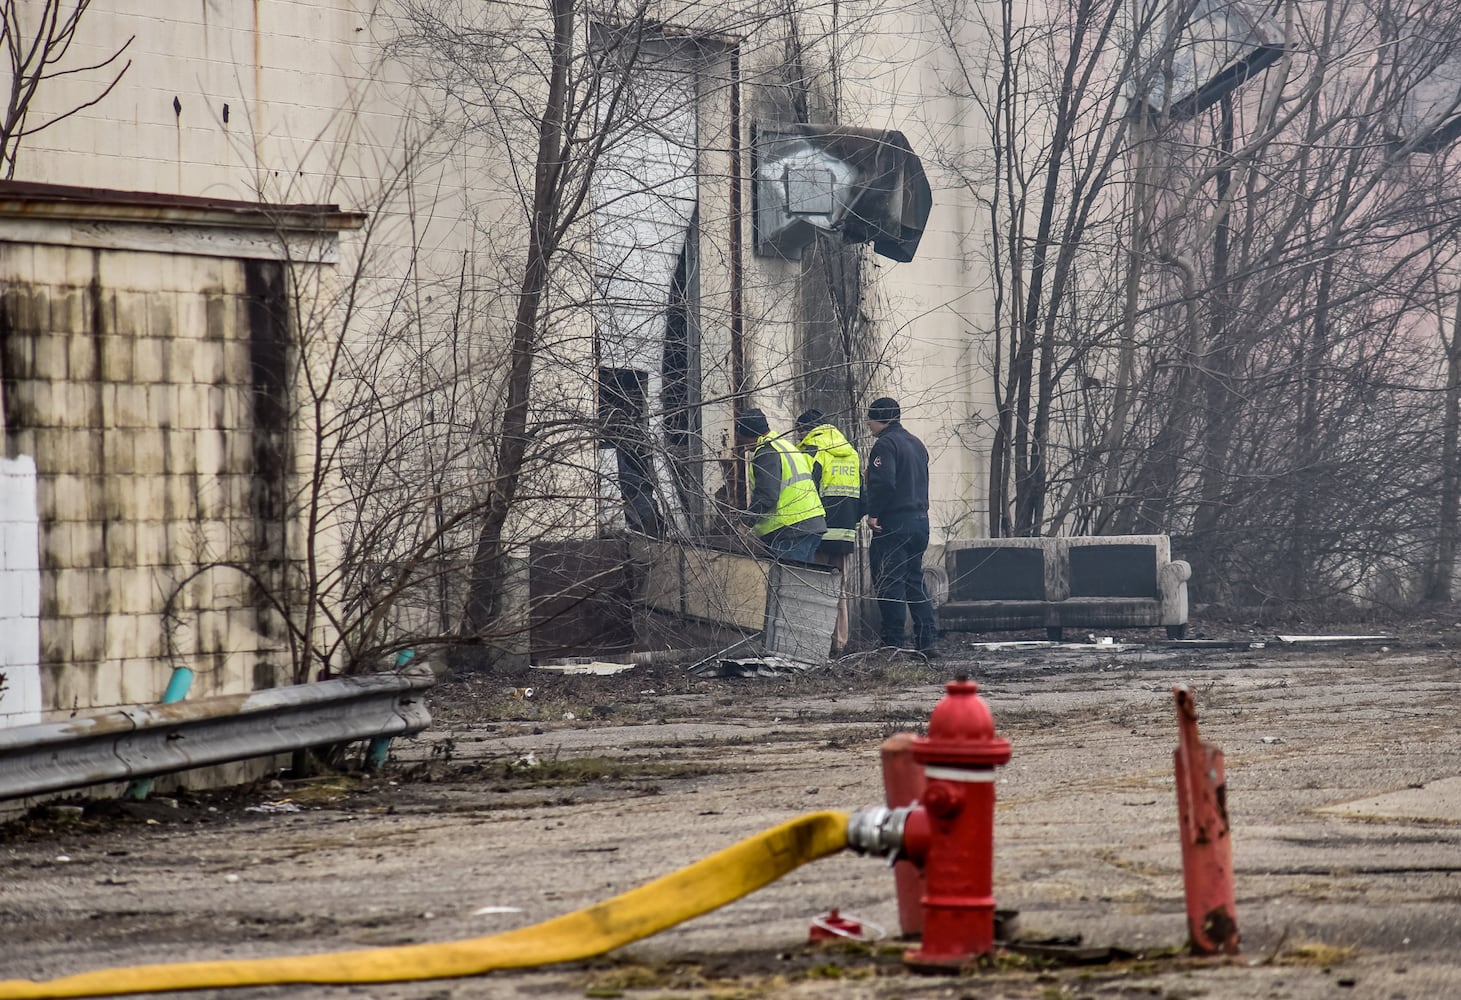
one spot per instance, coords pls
(958, 774)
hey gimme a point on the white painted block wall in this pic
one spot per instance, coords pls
(20, 594)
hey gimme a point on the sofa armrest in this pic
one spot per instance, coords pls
(936, 585)
(1172, 580)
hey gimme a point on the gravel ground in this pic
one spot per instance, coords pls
(514, 809)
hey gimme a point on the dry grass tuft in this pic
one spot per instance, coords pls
(1315, 954)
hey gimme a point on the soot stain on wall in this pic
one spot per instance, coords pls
(267, 309)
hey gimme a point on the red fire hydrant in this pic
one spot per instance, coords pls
(950, 834)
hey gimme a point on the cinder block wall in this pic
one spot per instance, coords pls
(147, 388)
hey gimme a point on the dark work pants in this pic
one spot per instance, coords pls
(896, 554)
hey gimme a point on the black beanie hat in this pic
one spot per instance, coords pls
(808, 420)
(752, 423)
(884, 410)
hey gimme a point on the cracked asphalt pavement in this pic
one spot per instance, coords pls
(1343, 788)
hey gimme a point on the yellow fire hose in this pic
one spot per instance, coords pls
(699, 888)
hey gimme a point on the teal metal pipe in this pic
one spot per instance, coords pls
(379, 750)
(178, 686)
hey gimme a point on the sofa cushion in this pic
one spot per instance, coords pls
(998, 573)
(1113, 571)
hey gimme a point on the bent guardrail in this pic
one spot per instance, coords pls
(149, 740)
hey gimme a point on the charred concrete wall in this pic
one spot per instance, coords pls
(284, 101)
(149, 390)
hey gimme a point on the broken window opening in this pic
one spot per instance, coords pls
(831, 340)
(646, 198)
(623, 429)
(680, 371)
(681, 417)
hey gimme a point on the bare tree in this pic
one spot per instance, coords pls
(1305, 240)
(1442, 570)
(37, 38)
(598, 279)
(1053, 87)
(1212, 314)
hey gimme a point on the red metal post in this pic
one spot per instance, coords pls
(903, 786)
(1207, 845)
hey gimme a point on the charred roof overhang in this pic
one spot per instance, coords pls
(1222, 44)
(140, 220)
(866, 185)
(1429, 119)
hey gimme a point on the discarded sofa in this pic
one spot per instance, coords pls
(1086, 582)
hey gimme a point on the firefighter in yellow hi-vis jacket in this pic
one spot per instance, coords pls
(784, 506)
(837, 471)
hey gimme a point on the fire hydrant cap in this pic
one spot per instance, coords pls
(961, 731)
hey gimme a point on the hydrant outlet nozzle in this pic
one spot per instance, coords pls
(878, 830)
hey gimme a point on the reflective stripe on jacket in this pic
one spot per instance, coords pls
(798, 500)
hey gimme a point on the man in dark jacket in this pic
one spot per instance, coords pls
(897, 512)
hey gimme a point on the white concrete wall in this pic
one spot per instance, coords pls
(291, 74)
(929, 309)
(20, 594)
(317, 113)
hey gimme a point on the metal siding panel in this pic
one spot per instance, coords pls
(802, 612)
